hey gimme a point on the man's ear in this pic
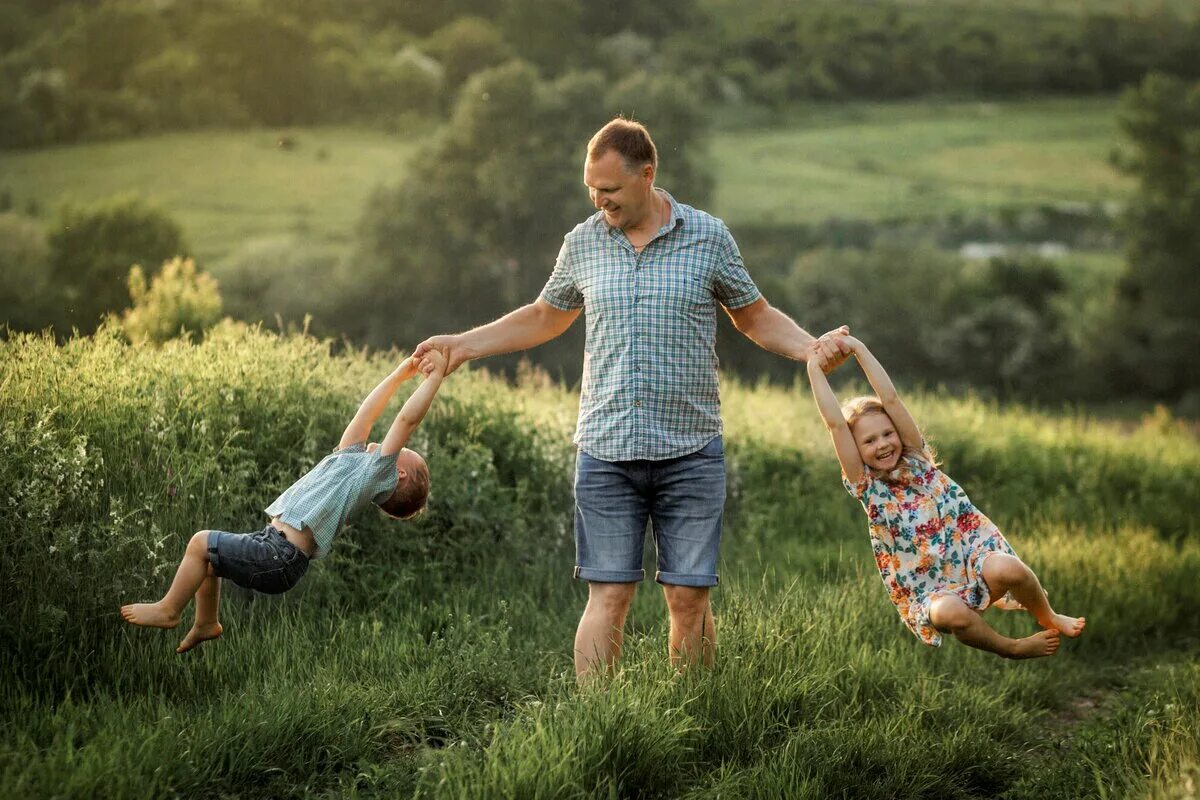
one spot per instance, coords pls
(648, 172)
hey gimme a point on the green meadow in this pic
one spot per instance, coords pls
(432, 659)
(860, 161)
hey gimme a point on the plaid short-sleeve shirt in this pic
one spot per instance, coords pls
(650, 388)
(335, 490)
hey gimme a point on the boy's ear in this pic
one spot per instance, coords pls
(401, 473)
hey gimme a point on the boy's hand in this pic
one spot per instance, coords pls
(432, 361)
(406, 369)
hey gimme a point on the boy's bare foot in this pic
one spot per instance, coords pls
(198, 634)
(1040, 644)
(149, 615)
(1069, 626)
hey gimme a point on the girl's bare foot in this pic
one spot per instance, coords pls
(1069, 626)
(149, 615)
(1008, 603)
(198, 634)
(1040, 644)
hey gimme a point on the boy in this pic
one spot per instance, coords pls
(306, 518)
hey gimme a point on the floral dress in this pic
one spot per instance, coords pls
(928, 538)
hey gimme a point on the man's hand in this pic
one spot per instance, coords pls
(832, 349)
(452, 347)
(433, 361)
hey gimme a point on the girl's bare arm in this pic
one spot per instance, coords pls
(885, 390)
(835, 423)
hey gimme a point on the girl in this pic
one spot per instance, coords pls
(941, 560)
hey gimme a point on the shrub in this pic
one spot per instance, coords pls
(179, 300)
(92, 249)
(24, 288)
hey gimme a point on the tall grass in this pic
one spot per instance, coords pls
(433, 659)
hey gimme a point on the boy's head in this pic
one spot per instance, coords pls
(878, 441)
(412, 486)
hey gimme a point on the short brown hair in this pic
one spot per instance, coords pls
(629, 138)
(410, 495)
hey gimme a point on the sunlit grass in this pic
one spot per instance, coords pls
(434, 659)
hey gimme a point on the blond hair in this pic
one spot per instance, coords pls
(856, 408)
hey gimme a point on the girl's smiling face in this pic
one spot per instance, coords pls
(877, 440)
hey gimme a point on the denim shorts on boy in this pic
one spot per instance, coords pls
(264, 561)
(682, 497)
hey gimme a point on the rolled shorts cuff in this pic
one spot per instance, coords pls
(214, 556)
(610, 575)
(680, 579)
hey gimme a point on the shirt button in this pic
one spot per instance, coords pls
(637, 402)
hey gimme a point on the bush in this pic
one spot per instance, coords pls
(24, 288)
(92, 249)
(178, 301)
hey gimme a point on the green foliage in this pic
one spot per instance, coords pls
(24, 290)
(432, 658)
(1156, 327)
(179, 301)
(501, 186)
(466, 46)
(92, 248)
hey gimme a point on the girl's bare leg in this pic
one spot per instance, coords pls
(206, 626)
(1004, 573)
(950, 614)
(193, 571)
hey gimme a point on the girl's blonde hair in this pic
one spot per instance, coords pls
(856, 408)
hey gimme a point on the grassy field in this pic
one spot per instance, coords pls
(858, 161)
(916, 160)
(433, 659)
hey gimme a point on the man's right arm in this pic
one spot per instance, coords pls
(526, 327)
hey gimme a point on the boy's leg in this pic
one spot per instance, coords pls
(206, 625)
(950, 614)
(193, 570)
(1004, 573)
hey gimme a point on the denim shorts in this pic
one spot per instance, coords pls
(683, 498)
(265, 561)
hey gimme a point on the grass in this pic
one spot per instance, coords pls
(433, 660)
(868, 161)
(224, 187)
(915, 160)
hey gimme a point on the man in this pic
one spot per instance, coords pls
(650, 272)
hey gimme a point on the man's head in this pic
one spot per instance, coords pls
(619, 172)
(412, 486)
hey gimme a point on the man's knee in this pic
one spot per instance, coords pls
(611, 599)
(686, 601)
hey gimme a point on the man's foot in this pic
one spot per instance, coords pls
(1068, 626)
(149, 615)
(1040, 644)
(198, 634)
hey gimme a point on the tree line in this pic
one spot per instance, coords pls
(75, 69)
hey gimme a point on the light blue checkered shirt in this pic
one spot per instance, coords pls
(650, 388)
(335, 490)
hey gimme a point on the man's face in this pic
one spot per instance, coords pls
(623, 196)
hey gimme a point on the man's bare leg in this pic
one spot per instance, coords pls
(693, 631)
(1004, 573)
(600, 634)
(950, 614)
(193, 570)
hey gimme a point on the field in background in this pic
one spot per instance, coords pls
(433, 659)
(916, 160)
(868, 161)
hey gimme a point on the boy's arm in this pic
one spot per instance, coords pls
(372, 406)
(906, 426)
(835, 423)
(413, 410)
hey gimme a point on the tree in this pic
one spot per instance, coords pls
(179, 300)
(92, 249)
(1156, 328)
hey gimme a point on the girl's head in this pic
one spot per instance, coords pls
(878, 441)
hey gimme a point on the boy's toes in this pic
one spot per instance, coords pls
(198, 634)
